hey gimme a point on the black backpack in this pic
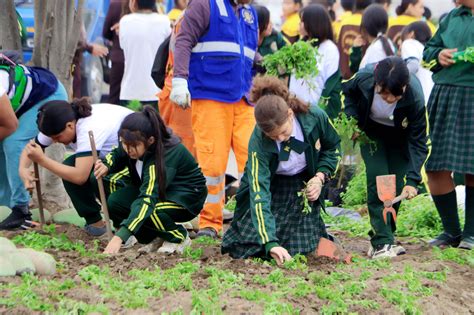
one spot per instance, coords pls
(158, 71)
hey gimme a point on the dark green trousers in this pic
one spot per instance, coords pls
(388, 156)
(83, 197)
(161, 223)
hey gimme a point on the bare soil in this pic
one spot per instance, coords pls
(453, 296)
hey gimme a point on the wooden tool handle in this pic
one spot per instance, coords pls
(402, 196)
(100, 183)
(38, 194)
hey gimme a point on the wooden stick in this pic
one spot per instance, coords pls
(38, 194)
(103, 200)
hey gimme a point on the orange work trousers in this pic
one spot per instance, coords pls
(217, 127)
(178, 119)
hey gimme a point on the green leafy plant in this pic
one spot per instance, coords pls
(135, 105)
(346, 127)
(458, 256)
(304, 200)
(419, 218)
(39, 241)
(231, 203)
(356, 191)
(206, 240)
(299, 59)
(193, 253)
(297, 262)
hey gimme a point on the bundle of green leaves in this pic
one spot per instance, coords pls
(299, 59)
(465, 55)
(346, 127)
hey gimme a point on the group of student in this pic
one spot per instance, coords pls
(284, 142)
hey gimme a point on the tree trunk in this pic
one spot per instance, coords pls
(9, 31)
(57, 23)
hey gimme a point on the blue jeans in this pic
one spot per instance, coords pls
(12, 190)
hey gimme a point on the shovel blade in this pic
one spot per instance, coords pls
(330, 249)
(386, 187)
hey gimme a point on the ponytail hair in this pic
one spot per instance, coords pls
(272, 100)
(420, 29)
(139, 127)
(400, 10)
(391, 75)
(375, 24)
(54, 115)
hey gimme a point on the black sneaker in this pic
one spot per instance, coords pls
(16, 219)
(445, 239)
(207, 231)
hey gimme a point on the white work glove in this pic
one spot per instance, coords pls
(180, 93)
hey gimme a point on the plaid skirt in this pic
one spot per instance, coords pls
(297, 232)
(451, 116)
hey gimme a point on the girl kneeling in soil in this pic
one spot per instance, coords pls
(292, 144)
(389, 106)
(166, 185)
(69, 124)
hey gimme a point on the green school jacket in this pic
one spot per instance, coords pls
(271, 44)
(409, 116)
(331, 94)
(185, 183)
(455, 31)
(322, 155)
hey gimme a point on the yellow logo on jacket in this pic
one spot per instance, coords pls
(248, 16)
(317, 145)
(405, 123)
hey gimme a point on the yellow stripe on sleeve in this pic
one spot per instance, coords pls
(260, 223)
(264, 231)
(149, 190)
(140, 216)
(257, 185)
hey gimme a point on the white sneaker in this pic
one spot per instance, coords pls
(130, 242)
(227, 215)
(399, 250)
(152, 246)
(169, 248)
(371, 251)
(384, 251)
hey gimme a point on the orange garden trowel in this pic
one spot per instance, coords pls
(328, 248)
(387, 190)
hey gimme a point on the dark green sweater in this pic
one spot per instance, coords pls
(409, 116)
(322, 155)
(185, 183)
(455, 31)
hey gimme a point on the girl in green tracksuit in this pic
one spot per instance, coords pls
(291, 145)
(389, 106)
(451, 115)
(152, 182)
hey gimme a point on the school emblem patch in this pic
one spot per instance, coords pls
(317, 145)
(248, 16)
(405, 123)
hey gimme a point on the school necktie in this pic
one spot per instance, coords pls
(289, 145)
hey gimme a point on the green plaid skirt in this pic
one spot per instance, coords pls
(451, 116)
(297, 232)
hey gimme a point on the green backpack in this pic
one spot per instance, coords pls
(18, 79)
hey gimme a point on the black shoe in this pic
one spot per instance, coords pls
(207, 231)
(16, 219)
(445, 239)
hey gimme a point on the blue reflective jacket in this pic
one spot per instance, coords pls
(221, 63)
